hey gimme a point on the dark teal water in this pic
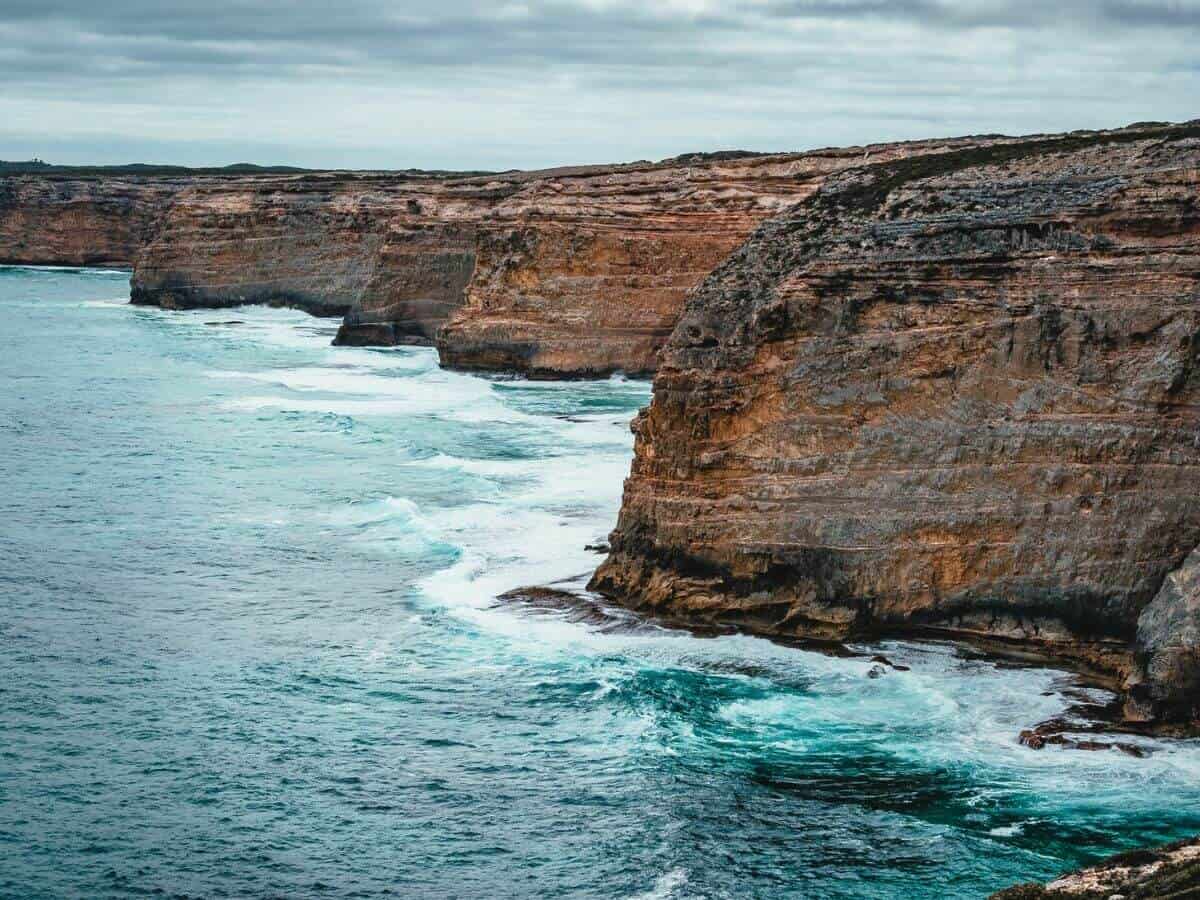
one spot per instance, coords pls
(249, 648)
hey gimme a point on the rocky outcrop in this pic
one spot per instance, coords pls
(1166, 681)
(583, 272)
(958, 394)
(418, 277)
(569, 272)
(557, 273)
(69, 220)
(1170, 871)
(305, 241)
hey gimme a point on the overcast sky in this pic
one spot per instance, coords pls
(465, 84)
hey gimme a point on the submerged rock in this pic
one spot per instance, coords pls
(574, 606)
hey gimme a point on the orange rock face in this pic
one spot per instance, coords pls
(308, 241)
(584, 272)
(565, 272)
(956, 392)
(79, 221)
(559, 273)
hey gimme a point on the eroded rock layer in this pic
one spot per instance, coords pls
(956, 392)
(584, 271)
(557, 273)
(79, 221)
(305, 241)
(566, 272)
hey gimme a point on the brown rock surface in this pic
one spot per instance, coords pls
(71, 220)
(566, 272)
(959, 392)
(583, 272)
(556, 273)
(308, 241)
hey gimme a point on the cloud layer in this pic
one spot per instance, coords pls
(467, 84)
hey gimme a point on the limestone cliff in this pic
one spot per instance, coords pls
(584, 272)
(957, 393)
(578, 271)
(72, 220)
(555, 273)
(307, 241)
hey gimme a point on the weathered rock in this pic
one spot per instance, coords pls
(569, 272)
(1040, 738)
(417, 281)
(70, 220)
(307, 241)
(1170, 871)
(583, 272)
(958, 392)
(1167, 681)
(558, 273)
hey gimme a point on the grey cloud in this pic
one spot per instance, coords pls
(591, 79)
(1019, 14)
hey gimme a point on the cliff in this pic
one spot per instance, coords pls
(567, 272)
(557, 273)
(79, 220)
(955, 394)
(570, 271)
(581, 272)
(307, 241)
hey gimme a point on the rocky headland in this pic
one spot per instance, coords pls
(569, 272)
(955, 394)
(80, 220)
(944, 387)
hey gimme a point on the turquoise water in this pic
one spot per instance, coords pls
(250, 648)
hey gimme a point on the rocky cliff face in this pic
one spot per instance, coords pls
(956, 393)
(562, 272)
(584, 272)
(79, 221)
(306, 241)
(557, 273)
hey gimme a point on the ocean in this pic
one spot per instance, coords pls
(252, 647)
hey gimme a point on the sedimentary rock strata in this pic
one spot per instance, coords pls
(79, 220)
(557, 273)
(565, 272)
(584, 272)
(305, 241)
(571, 271)
(958, 392)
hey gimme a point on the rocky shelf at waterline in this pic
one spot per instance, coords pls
(957, 393)
(1172, 871)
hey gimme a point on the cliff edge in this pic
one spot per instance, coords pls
(954, 394)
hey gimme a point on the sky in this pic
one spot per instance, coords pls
(460, 84)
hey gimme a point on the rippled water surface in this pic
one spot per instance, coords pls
(250, 648)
